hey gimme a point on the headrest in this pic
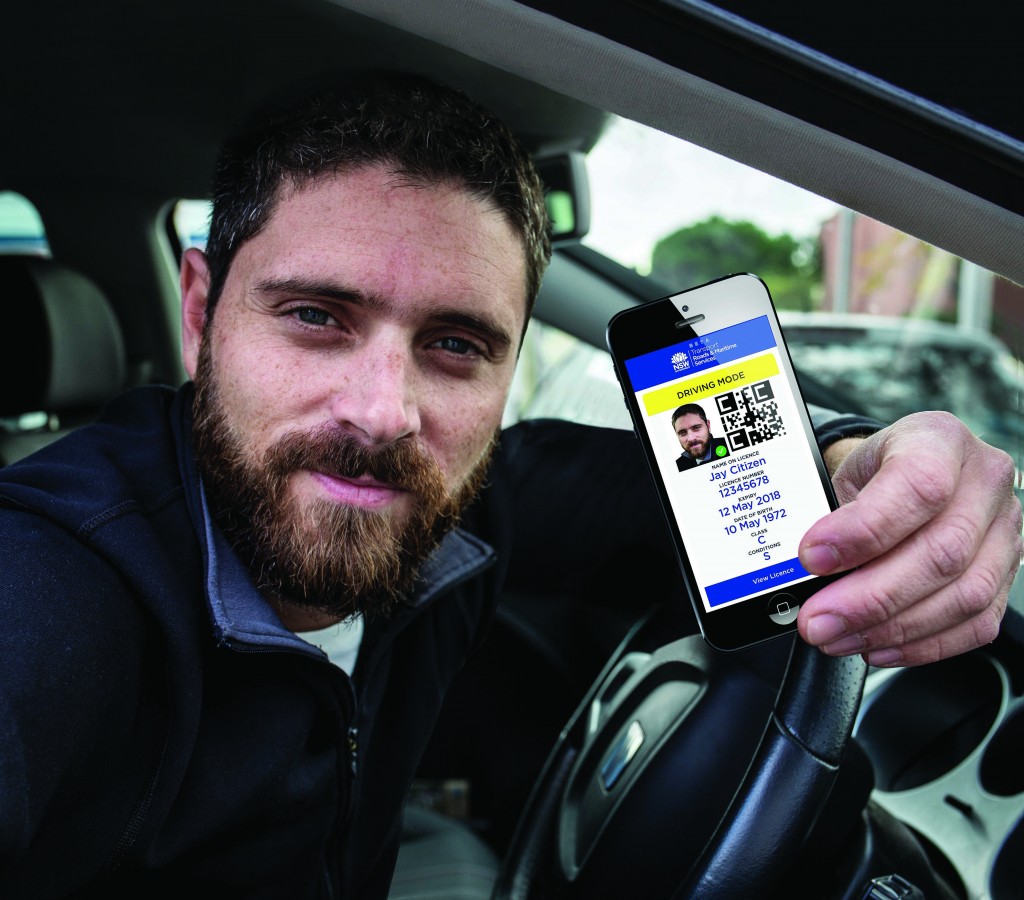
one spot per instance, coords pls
(64, 350)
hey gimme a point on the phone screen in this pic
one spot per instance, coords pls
(740, 476)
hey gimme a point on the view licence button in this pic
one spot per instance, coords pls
(783, 609)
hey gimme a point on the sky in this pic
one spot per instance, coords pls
(646, 184)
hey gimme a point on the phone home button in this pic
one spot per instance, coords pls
(783, 609)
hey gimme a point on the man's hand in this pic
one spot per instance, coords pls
(930, 518)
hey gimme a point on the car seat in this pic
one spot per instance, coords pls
(65, 356)
(441, 858)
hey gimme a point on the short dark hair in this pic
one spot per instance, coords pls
(689, 409)
(428, 133)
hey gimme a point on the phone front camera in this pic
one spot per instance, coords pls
(686, 309)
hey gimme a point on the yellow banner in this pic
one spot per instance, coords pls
(714, 381)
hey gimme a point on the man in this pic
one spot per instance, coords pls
(169, 719)
(691, 427)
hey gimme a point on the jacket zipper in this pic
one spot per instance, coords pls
(353, 752)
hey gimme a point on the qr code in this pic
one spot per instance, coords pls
(750, 416)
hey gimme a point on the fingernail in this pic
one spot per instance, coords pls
(824, 629)
(888, 657)
(819, 559)
(854, 643)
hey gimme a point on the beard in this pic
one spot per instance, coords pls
(320, 555)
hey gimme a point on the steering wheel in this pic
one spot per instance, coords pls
(686, 772)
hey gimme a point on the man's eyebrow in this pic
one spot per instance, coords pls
(327, 290)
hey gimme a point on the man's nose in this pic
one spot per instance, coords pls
(378, 398)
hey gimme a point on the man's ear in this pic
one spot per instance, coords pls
(195, 289)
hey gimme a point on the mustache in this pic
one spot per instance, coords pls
(402, 464)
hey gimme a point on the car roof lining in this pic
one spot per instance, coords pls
(149, 102)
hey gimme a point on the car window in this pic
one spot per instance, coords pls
(21, 227)
(562, 377)
(884, 322)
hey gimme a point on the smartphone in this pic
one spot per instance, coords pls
(716, 405)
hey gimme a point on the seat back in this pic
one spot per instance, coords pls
(64, 357)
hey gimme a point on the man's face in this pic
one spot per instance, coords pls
(353, 378)
(693, 434)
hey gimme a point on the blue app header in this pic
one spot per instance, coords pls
(696, 354)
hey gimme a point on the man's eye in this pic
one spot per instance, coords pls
(456, 345)
(311, 315)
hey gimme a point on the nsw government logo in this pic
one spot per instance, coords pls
(680, 362)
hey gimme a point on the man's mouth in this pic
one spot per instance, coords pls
(362, 490)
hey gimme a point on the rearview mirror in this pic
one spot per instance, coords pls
(567, 194)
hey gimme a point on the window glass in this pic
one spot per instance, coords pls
(646, 185)
(889, 324)
(561, 377)
(21, 228)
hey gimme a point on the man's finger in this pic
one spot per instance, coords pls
(857, 620)
(910, 486)
(961, 541)
(967, 636)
